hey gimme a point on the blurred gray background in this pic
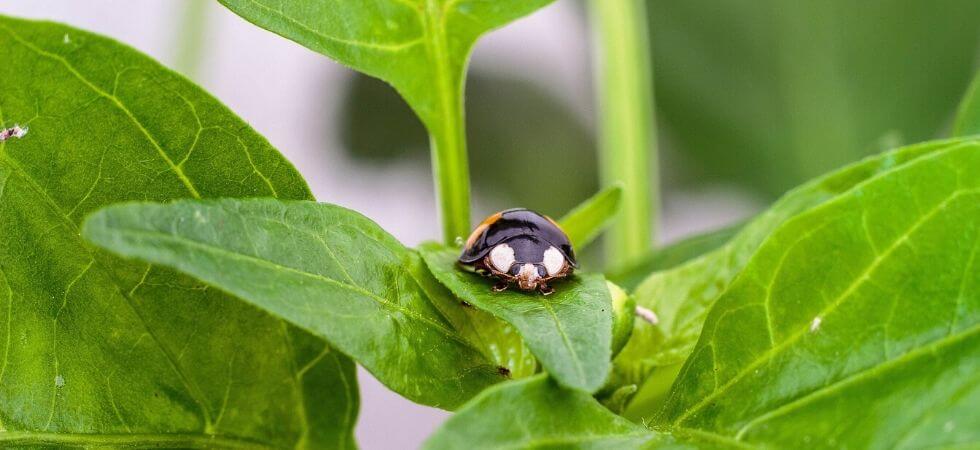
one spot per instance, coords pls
(753, 97)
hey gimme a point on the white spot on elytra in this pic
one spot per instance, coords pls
(647, 314)
(198, 216)
(502, 257)
(15, 131)
(554, 261)
(59, 381)
(815, 324)
(948, 426)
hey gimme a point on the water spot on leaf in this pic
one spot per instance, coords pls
(815, 324)
(59, 381)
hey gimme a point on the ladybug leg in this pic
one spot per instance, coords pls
(546, 289)
(501, 286)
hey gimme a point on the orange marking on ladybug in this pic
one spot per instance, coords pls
(481, 228)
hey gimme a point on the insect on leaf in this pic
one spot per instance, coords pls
(570, 331)
(102, 352)
(326, 269)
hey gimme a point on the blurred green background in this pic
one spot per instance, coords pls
(758, 95)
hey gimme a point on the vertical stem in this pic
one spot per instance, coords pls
(447, 135)
(627, 143)
(190, 39)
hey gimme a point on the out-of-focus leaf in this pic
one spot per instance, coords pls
(584, 223)
(326, 269)
(968, 116)
(671, 256)
(570, 331)
(100, 352)
(856, 323)
(537, 413)
(682, 296)
(769, 93)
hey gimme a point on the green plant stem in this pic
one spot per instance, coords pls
(627, 143)
(447, 136)
(190, 39)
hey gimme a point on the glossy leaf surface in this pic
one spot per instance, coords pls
(326, 269)
(682, 296)
(102, 352)
(569, 331)
(869, 302)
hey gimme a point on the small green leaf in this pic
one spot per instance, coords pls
(326, 269)
(682, 296)
(584, 223)
(570, 331)
(421, 47)
(100, 352)
(869, 302)
(968, 115)
(537, 413)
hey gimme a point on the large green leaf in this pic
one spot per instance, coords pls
(102, 352)
(570, 331)
(682, 296)
(326, 269)
(868, 303)
(770, 93)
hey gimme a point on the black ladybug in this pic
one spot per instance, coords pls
(520, 246)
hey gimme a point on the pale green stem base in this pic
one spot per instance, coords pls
(627, 143)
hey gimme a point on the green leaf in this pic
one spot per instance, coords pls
(421, 47)
(584, 223)
(869, 302)
(326, 269)
(100, 352)
(537, 413)
(570, 331)
(682, 296)
(968, 115)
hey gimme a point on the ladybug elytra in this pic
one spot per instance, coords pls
(522, 247)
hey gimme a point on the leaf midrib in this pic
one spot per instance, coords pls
(858, 281)
(192, 388)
